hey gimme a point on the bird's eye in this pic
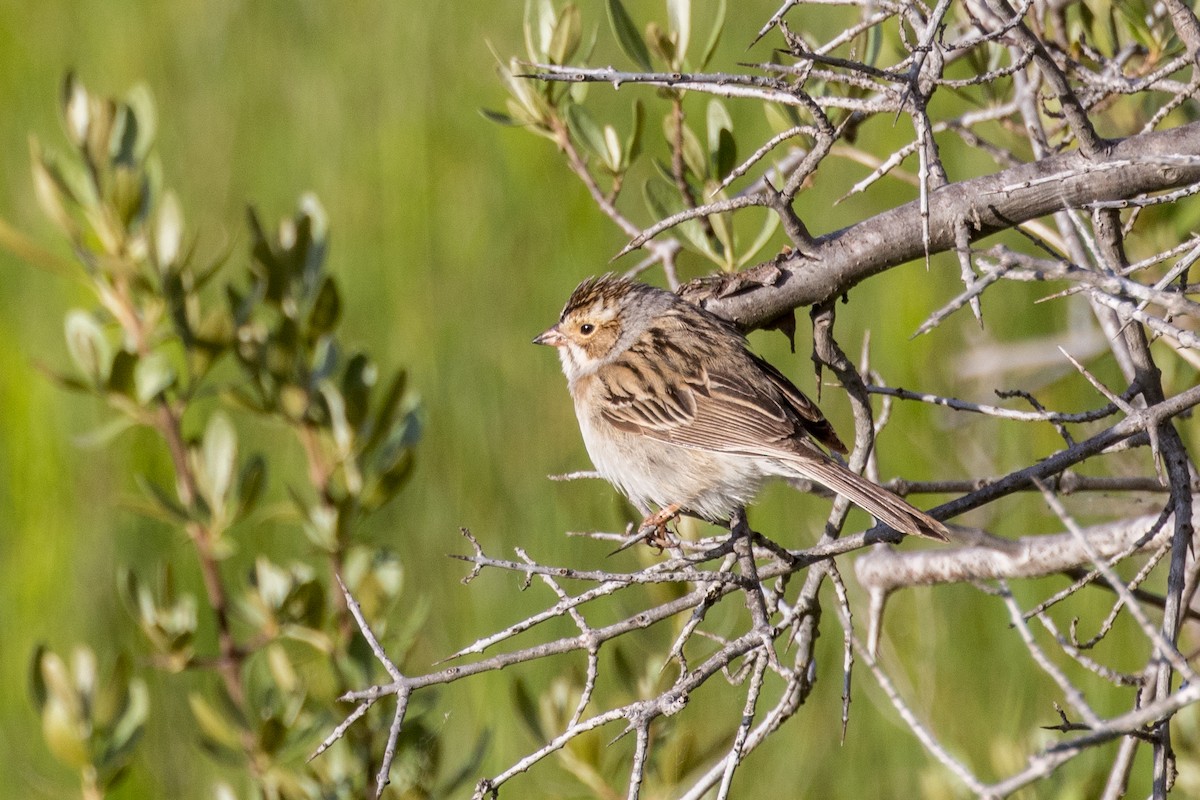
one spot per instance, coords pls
(587, 328)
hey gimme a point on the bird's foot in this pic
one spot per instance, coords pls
(654, 527)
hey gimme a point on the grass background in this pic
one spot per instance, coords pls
(456, 241)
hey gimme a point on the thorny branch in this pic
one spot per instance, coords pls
(1080, 134)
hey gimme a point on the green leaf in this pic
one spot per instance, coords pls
(612, 148)
(725, 157)
(122, 143)
(527, 709)
(627, 35)
(661, 43)
(52, 191)
(358, 379)
(37, 682)
(140, 103)
(168, 506)
(388, 407)
(325, 359)
(679, 22)
(714, 36)
(271, 734)
(63, 724)
(343, 435)
(315, 221)
(539, 27)
(663, 201)
(120, 374)
(584, 129)
(105, 434)
(764, 236)
(633, 143)
(168, 233)
(875, 44)
(219, 457)
(693, 153)
(251, 481)
(568, 31)
(722, 149)
(723, 231)
(528, 104)
(152, 376)
(320, 525)
(99, 145)
(64, 735)
(88, 346)
(391, 481)
(271, 582)
(214, 726)
(112, 695)
(498, 117)
(326, 310)
(780, 117)
(130, 195)
(76, 111)
(402, 434)
(130, 727)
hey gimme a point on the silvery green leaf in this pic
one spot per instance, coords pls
(88, 346)
(112, 694)
(663, 201)
(714, 36)
(52, 191)
(587, 132)
(539, 28)
(219, 451)
(661, 43)
(272, 582)
(764, 236)
(679, 21)
(168, 233)
(633, 143)
(320, 525)
(133, 722)
(722, 149)
(358, 378)
(120, 373)
(37, 681)
(250, 484)
(282, 671)
(140, 104)
(76, 111)
(613, 155)
(343, 436)
(213, 725)
(164, 506)
(498, 117)
(693, 153)
(326, 310)
(568, 30)
(152, 376)
(106, 433)
(628, 36)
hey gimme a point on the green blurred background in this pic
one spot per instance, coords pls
(456, 241)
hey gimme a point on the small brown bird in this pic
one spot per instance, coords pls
(676, 412)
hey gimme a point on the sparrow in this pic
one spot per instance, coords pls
(677, 412)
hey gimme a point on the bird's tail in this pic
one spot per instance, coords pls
(871, 497)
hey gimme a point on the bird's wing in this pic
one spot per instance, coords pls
(811, 419)
(754, 409)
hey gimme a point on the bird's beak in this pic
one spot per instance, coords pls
(551, 336)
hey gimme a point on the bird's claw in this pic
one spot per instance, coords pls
(654, 529)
